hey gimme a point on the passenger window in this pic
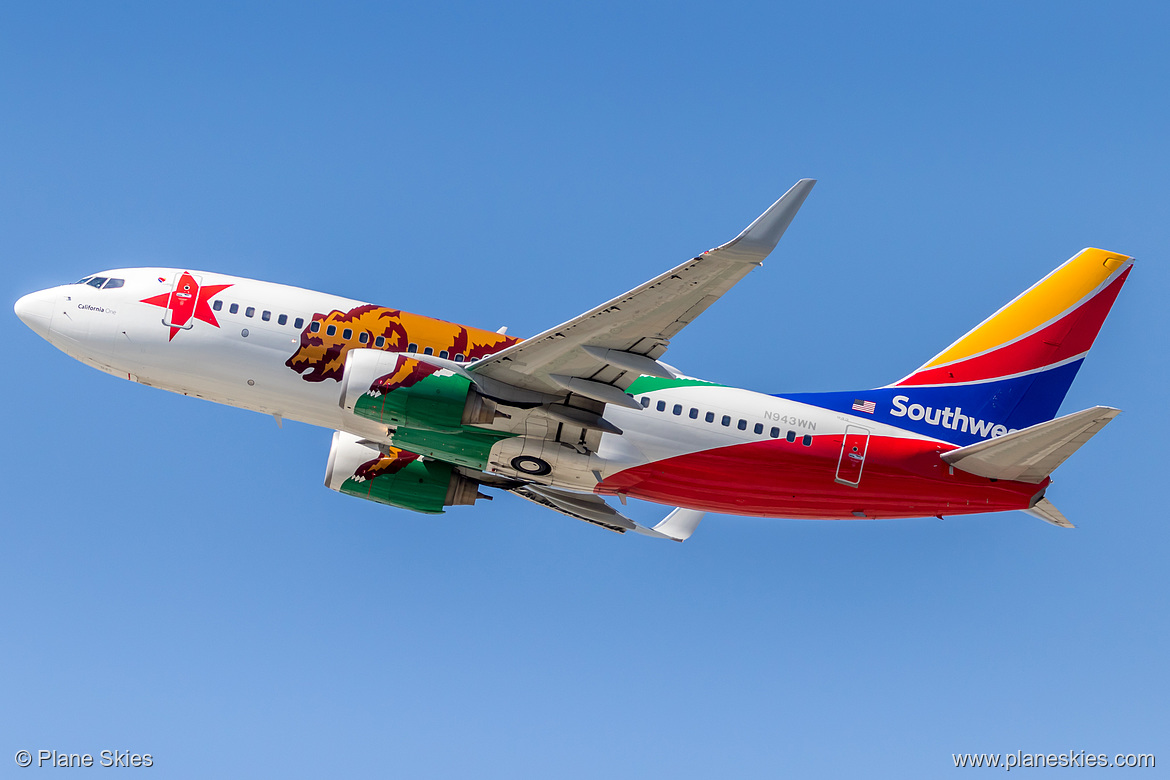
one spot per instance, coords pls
(726, 420)
(807, 440)
(791, 436)
(645, 402)
(710, 417)
(759, 428)
(250, 311)
(742, 425)
(364, 337)
(266, 315)
(694, 413)
(235, 308)
(380, 342)
(459, 358)
(217, 305)
(677, 409)
(412, 348)
(330, 330)
(282, 319)
(428, 351)
(300, 323)
(315, 327)
(114, 283)
(443, 354)
(97, 281)
(774, 433)
(347, 334)
(661, 406)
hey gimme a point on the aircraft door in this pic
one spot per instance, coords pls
(852, 459)
(181, 303)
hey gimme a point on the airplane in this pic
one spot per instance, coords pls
(428, 414)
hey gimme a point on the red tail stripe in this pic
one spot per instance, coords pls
(1071, 335)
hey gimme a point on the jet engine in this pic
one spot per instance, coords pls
(396, 477)
(397, 390)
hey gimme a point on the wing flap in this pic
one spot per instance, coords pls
(677, 526)
(582, 506)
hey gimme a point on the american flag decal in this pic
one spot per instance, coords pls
(864, 406)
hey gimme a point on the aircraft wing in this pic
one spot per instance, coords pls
(676, 526)
(601, 352)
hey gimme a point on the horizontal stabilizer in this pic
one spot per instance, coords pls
(1031, 454)
(1049, 514)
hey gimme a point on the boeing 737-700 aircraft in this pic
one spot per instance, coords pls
(428, 413)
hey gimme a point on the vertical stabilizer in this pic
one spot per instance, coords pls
(1009, 373)
(1052, 323)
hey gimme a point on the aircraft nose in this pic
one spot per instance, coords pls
(36, 311)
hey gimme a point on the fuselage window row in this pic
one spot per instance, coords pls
(742, 424)
(364, 337)
(266, 315)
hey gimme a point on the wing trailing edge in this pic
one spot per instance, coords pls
(676, 526)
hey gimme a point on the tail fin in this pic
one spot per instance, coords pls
(1009, 373)
(1054, 322)
(1014, 369)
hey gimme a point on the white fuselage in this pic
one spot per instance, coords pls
(243, 362)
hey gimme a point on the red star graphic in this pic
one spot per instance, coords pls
(187, 300)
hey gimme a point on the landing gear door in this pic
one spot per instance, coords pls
(181, 303)
(852, 460)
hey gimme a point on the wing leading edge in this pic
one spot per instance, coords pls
(621, 339)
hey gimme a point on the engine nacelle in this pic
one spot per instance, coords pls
(395, 389)
(395, 477)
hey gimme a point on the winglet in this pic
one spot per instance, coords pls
(677, 526)
(759, 238)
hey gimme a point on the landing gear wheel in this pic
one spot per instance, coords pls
(526, 464)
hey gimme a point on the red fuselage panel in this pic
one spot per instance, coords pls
(777, 478)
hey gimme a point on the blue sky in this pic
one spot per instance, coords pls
(179, 582)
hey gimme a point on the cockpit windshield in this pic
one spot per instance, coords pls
(101, 282)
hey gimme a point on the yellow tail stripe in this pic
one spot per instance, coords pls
(1042, 302)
